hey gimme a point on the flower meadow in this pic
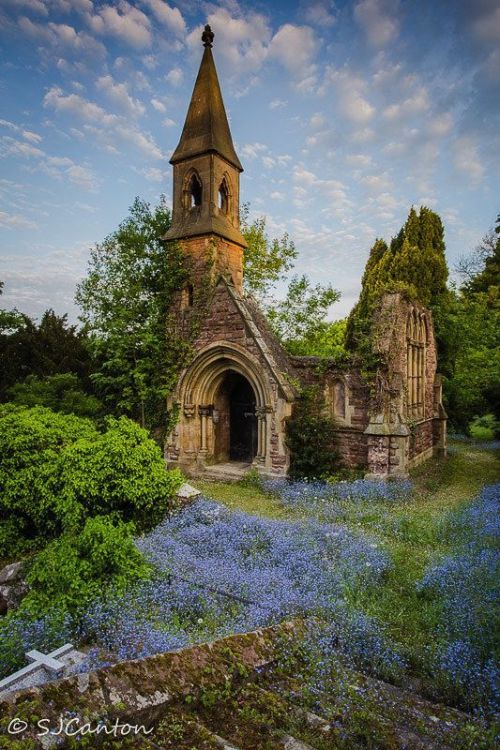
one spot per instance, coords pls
(218, 571)
(222, 572)
(466, 584)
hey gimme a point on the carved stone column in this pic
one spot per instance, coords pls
(261, 413)
(204, 412)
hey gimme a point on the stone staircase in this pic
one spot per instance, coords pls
(243, 692)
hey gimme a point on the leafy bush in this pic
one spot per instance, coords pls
(62, 392)
(121, 472)
(74, 570)
(55, 470)
(310, 436)
(484, 428)
(31, 441)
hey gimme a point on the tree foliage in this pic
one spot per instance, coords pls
(310, 437)
(481, 269)
(125, 302)
(300, 318)
(471, 324)
(58, 469)
(266, 261)
(40, 349)
(413, 263)
(62, 392)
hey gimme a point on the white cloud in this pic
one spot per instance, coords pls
(15, 221)
(359, 160)
(124, 22)
(252, 150)
(364, 135)
(112, 127)
(277, 196)
(350, 90)
(414, 105)
(441, 125)
(153, 174)
(295, 47)
(150, 62)
(377, 182)
(378, 19)
(118, 93)
(318, 120)
(37, 6)
(168, 122)
(59, 167)
(242, 43)
(320, 14)
(277, 103)
(81, 176)
(158, 105)
(61, 36)
(174, 76)
(170, 17)
(467, 159)
(28, 135)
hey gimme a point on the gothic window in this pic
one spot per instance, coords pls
(416, 335)
(192, 191)
(337, 399)
(224, 197)
(187, 297)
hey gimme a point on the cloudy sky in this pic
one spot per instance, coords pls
(344, 114)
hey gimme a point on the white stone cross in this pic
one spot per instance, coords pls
(39, 661)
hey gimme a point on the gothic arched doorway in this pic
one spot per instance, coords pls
(235, 422)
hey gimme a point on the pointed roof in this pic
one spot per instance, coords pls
(206, 127)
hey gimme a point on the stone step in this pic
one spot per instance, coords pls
(290, 743)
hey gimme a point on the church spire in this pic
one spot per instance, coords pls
(206, 128)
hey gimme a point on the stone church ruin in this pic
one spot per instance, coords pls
(239, 389)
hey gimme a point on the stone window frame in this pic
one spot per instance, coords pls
(341, 419)
(226, 184)
(189, 199)
(416, 358)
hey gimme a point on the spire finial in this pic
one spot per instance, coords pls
(207, 37)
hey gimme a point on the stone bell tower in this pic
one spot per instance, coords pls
(206, 189)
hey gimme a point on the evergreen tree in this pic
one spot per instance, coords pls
(41, 349)
(414, 264)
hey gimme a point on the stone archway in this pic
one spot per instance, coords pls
(235, 420)
(226, 404)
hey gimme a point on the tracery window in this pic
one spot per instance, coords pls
(416, 335)
(338, 399)
(192, 191)
(224, 197)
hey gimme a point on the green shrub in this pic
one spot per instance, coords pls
(120, 472)
(484, 428)
(62, 392)
(56, 470)
(310, 436)
(78, 568)
(31, 441)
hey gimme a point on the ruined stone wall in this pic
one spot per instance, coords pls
(350, 414)
(226, 322)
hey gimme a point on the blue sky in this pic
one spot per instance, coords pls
(344, 114)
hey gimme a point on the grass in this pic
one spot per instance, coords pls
(414, 531)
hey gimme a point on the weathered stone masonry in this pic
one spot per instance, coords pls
(236, 395)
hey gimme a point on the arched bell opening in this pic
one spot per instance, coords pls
(234, 418)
